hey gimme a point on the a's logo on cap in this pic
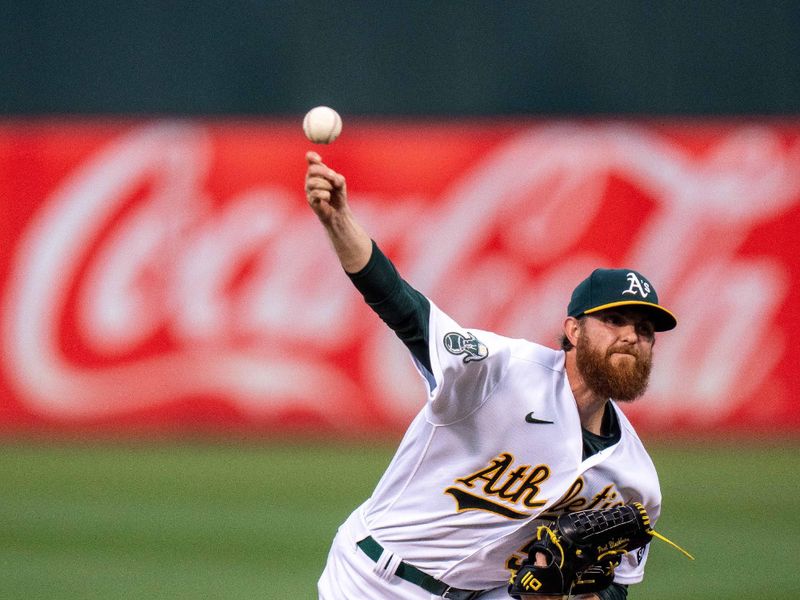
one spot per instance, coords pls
(637, 287)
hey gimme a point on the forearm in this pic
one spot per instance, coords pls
(326, 192)
(350, 241)
(403, 308)
(615, 591)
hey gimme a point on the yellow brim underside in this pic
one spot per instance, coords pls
(629, 303)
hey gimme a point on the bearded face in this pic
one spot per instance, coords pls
(621, 371)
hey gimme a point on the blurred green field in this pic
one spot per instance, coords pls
(194, 521)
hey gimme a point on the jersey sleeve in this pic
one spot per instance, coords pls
(643, 487)
(466, 366)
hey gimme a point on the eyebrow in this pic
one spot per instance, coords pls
(634, 316)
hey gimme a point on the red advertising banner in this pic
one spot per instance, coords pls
(169, 275)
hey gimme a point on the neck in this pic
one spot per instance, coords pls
(591, 407)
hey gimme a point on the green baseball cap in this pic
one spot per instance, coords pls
(608, 288)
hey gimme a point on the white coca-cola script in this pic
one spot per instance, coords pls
(250, 307)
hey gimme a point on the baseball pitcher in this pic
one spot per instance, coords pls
(519, 477)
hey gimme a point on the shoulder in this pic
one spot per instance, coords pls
(521, 351)
(531, 352)
(476, 345)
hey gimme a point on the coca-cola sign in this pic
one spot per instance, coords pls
(171, 271)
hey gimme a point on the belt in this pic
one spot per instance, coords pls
(412, 574)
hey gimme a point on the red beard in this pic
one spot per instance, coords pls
(625, 381)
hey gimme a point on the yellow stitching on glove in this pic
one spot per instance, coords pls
(611, 553)
(554, 539)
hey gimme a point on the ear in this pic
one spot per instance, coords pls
(572, 328)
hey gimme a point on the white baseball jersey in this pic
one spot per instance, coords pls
(497, 445)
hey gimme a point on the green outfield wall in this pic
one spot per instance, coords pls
(407, 57)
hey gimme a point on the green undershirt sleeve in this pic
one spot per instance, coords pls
(405, 310)
(616, 591)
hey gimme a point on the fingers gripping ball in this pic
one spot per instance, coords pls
(581, 550)
(322, 125)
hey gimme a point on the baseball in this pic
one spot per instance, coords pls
(322, 125)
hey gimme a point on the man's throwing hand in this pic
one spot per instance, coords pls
(326, 190)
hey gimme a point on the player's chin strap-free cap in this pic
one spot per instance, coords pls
(609, 288)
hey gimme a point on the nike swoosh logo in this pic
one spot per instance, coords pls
(529, 418)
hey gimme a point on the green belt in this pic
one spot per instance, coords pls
(412, 574)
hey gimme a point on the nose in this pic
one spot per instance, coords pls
(627, 333)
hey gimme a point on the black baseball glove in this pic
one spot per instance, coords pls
(582, 550)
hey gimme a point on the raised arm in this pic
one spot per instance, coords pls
(326, 192)
(401, 307)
